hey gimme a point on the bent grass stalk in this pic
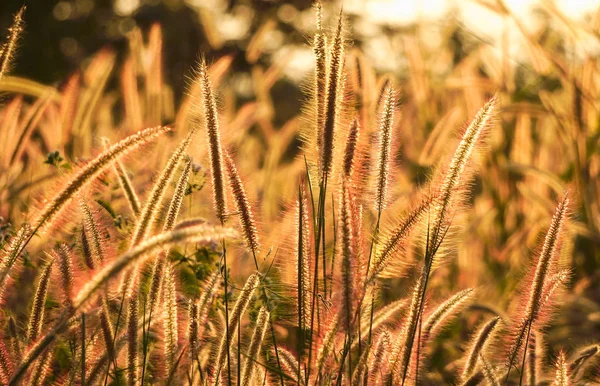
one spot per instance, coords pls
(436, 235)
(534, 304)
(478, 345)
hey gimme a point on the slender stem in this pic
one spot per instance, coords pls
(524, 355)
(145, 339)
(418, 350)
(239, 356)
(226, 309)
(113, 343)
(321, 214)
(272, 328)
(82, 349)
(373, 241)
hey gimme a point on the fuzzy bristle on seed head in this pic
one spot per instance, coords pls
(193, 329)
(562, 371)
(453, 175)
(401, 354)
(92, 169)
(446, 310)
(125, 183)
(193, 234)
(549, 251)
(92, 235)
(326, 345)
(36, 317)
(333, 99)
(178, 196)
(303, 259)
(347, 253)
(350, 149)
(242, 205)
(211, 123)
(150, 211)
(396, 238)
(583, 358)
(377, 363)
(6, 364)
(478, 345)
(11, 253)
(386, 123)
(319, 49)
(170, 317)
(65, 267)
(543, 285)
(7, 49)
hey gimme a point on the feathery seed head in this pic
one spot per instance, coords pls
(562, 371)
(247, 223)
(150, 211)
(65, 266)
(170, 317)
(211, 122)
(85, 175)
(36, 318)
(333, 99)
(453, 175)
(7, 49)
(350, 149)
(303, 259)
(478, 345)
(11, 253)
(178, 196)
(396, 238)
(386, 123)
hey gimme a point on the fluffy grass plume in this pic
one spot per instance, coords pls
(170, 318)
(150, 211)
(333, 98)
(562, 371)
(213, 136)
(529, 315)
(386, 125)
(303, 259)
(11, 253)
(350, 149)
(247, 223)
(478, 345)
(36, 317)
(87, 173)
(319, 49)
(7, 49)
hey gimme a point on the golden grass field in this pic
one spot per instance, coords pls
(435, 226)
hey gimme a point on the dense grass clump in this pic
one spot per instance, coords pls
(326, 263)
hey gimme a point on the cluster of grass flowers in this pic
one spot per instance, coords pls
(144, 277)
